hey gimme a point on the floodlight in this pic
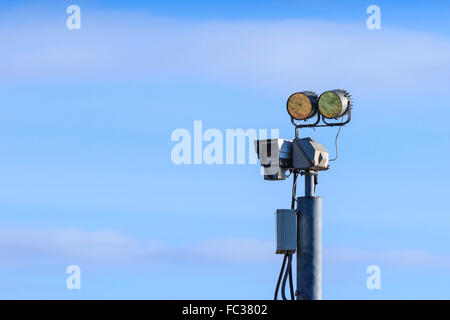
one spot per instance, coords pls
(334, 104)
(302, 105)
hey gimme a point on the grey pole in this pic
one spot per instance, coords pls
(309, 184)
(309, 243)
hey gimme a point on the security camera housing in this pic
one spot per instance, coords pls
(308, 154)
(275, 156)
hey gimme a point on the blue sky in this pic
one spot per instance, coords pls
(87, 177)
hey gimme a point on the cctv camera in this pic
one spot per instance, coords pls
(275, 156)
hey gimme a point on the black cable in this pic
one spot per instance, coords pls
(294, 189)
(291, 284)
(279, 277)
(294, 195)
(286, 274)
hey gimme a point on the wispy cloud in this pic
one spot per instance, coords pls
(103, 246)
(112, 247)
(292, 53)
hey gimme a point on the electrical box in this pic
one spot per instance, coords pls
(286, 230)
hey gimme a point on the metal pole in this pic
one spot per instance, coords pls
(309, 243)
(309, 184)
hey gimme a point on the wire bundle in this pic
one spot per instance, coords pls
(286, 269)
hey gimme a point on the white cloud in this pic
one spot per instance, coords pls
(285, 53)
(111, 247)
(103, 246)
